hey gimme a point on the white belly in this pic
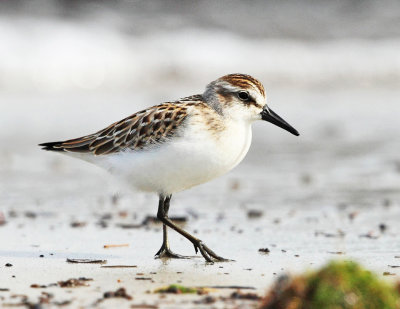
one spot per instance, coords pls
(184, 162)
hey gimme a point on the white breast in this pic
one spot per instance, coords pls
(195, 157)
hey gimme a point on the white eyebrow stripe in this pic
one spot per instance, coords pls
(228, 86)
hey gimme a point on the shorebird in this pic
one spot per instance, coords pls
(176, 145)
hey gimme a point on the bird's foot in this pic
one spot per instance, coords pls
(165, 252)
(207, 253)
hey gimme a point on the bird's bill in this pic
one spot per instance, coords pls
(270, 116)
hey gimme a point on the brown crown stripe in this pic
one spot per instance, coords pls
(244, 81)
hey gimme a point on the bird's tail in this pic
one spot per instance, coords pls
(53, 146)
(81, 145)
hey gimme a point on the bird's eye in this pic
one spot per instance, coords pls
(243, 95)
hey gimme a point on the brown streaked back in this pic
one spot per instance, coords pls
(140, 130)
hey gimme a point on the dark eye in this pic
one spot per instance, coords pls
(243, 95)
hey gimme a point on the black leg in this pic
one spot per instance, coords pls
(162, 215)
(165, 251)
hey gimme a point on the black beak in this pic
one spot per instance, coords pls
(270, 116)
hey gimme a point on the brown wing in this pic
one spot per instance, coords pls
(137, 131)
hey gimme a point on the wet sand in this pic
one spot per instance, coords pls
(331, 193)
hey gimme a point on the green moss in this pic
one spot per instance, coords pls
(177, 289)
(339, 285)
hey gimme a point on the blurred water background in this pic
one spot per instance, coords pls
(332, 68)
(54, 46)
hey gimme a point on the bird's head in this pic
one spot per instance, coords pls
(242, 97)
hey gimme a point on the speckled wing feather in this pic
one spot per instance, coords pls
(138, 131)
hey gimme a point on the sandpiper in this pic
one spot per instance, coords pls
(176, 145)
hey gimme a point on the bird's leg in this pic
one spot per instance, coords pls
(162, 215)
(165, 251)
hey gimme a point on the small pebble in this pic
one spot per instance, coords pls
(254, 213)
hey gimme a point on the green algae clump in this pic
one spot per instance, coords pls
(177, 289)
(338, 285)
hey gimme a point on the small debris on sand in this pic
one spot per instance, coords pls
(353, 215)
(115, 246)
(180, 289)
(254, 213)
(123, 214)
(144, 306)
(78, 224)
(106, 216)
(383, 227)
(339, 234)
(386, 273)
(143, 278)
(119, 266)
(30, 214)
(336, 252)
(12, 214)
(38, 286)
(102, 223)
(394, 266)
(264, 250)
(206, 300)
(86, 261)
(62, 303)
(129, 225)
(120, 293)
(8, 265)
(248, 296)
(369, 235)
(4, 290)
(73, 283)
(70, 283)
(44, 299)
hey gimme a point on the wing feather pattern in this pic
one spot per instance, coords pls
(138, 131)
